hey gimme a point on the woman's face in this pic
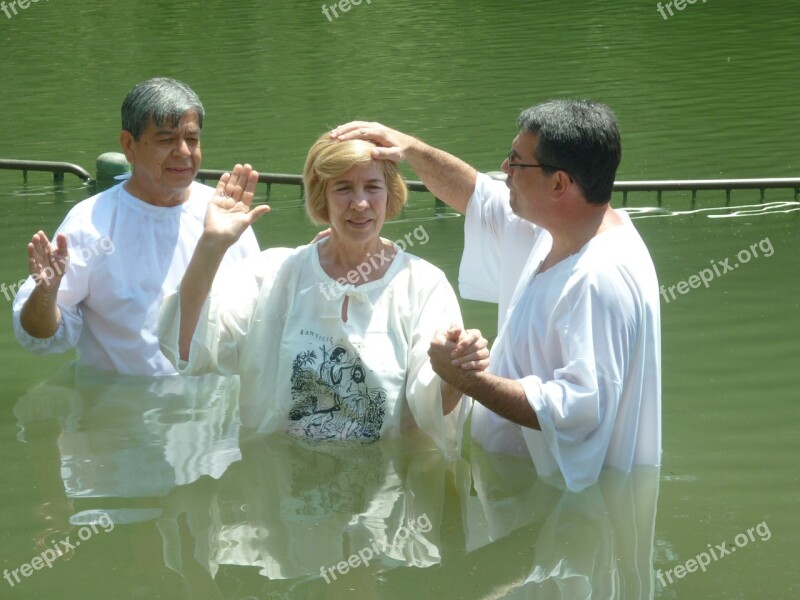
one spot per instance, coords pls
(357, 203)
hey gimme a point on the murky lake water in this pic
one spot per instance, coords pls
(710, 92)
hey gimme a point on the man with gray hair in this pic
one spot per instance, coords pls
(575, 373)
(100, 286)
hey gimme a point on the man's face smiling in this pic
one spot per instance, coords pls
(165, 160)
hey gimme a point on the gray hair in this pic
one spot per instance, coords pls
(580, 137)
(162, 100)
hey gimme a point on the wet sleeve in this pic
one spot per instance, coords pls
(224, 320)
(437, 308)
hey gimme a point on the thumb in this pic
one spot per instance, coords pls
(61, 243)
(259, 210)
(454, 332)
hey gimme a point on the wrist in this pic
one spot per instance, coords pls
(211, 245)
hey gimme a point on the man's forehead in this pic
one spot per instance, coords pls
(188, 120)
(524, 143)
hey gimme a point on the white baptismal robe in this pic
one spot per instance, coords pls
(125, 255)
(277, 321)
(583, 339)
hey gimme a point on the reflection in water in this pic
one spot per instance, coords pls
(296, 519)
(287, 517)
(111, 436)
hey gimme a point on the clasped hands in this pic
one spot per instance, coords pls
(457, 354)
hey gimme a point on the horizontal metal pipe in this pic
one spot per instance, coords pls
(619, 186)
(418, 186)
(289, 179)
(706, 184)
(45, 165)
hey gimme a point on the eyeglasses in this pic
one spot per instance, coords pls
(512, 164)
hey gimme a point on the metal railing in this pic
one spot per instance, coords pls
(625, 187)
(288, 179)
(695, 185)
(56, 168)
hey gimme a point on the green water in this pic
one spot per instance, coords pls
(711, 92)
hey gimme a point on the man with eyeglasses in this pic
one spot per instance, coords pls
(575, 374)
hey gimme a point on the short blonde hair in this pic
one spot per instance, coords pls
(330, 158)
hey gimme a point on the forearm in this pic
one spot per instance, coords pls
(447, 177)
(40, 315)
(195, 288)
(450, 397)
(505, 397)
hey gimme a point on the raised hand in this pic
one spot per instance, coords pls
(392, 144)
(48, 263)
(229, 213)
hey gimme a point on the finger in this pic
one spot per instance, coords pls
(470, 340)
(61, 245)
(38, 246)
(393, 154)
(257, 211)
(453, 334)
(250, 184)
(222, 183)
(476, 365)
(439, 338)
(347, 128)
(471, 357)
(365, 131)
(238, 183)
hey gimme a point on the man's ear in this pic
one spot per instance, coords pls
(561, 182)
(126, 141)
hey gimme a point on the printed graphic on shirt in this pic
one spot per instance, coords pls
(332, 397)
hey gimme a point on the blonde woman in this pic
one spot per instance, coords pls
(304, 327)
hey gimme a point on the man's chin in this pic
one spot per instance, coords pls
(512, 202)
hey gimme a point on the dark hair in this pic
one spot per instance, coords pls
(162, 100)
(580, 137)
